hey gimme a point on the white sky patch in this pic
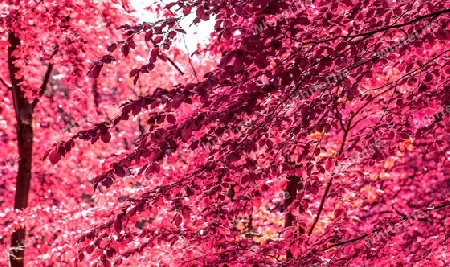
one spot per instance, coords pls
(194, 34)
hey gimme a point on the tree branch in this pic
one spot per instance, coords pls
(322, 202)
(330, 182)
(190, 60)
(46, 77)
(443, 205)
(44, 84)
(365, 34)
(433, 14)
(170, 60)
(346, 242)
(5, 84)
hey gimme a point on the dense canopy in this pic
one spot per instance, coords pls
(306, 133)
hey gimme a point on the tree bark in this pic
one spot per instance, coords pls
(23, 180)
(290, 195)
(24, 133)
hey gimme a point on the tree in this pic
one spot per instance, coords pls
(47, 53)
(335, 124)
(40, 38)
(59, 202)
(331, 105)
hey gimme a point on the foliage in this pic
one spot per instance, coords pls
(57, 40)
(320, 149)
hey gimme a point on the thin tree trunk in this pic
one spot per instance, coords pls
(289, 196)
(23, 180)
(24, 132)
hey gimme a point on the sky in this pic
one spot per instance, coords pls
(194, 34)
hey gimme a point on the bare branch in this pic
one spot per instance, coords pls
(170, 60)
(346, 242)
(46, 77)
(44, 84)
(189, 59)
(5, 84)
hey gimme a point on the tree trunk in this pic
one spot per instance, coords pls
(24, 132)
(23, 180)
(290, 194)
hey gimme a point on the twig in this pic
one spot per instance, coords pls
(189, 59)
(365, 34)
(170, 60)
(434, 14)
(330, 182)
(5, 84)
(399, 212)
(443, 205)
(175, 65)
(322, 202)
(346, 242)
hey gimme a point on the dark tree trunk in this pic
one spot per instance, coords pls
(290, 195)
(23, 180)
(24, 132)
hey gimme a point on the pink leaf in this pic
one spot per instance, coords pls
(106, 137)
(118, 224)
(54, 156)
(187, 10)
(148, 36)
(95, 71)
(303, 21)
(111, 48)
(186, 133)
(178, 219)
(154, 54)
(158, 39)
(329, 164)
(125, 50)
(171, 119)
(428, 77)
(134, 72)
(107, 182)
(89, 249)
(119, 171)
